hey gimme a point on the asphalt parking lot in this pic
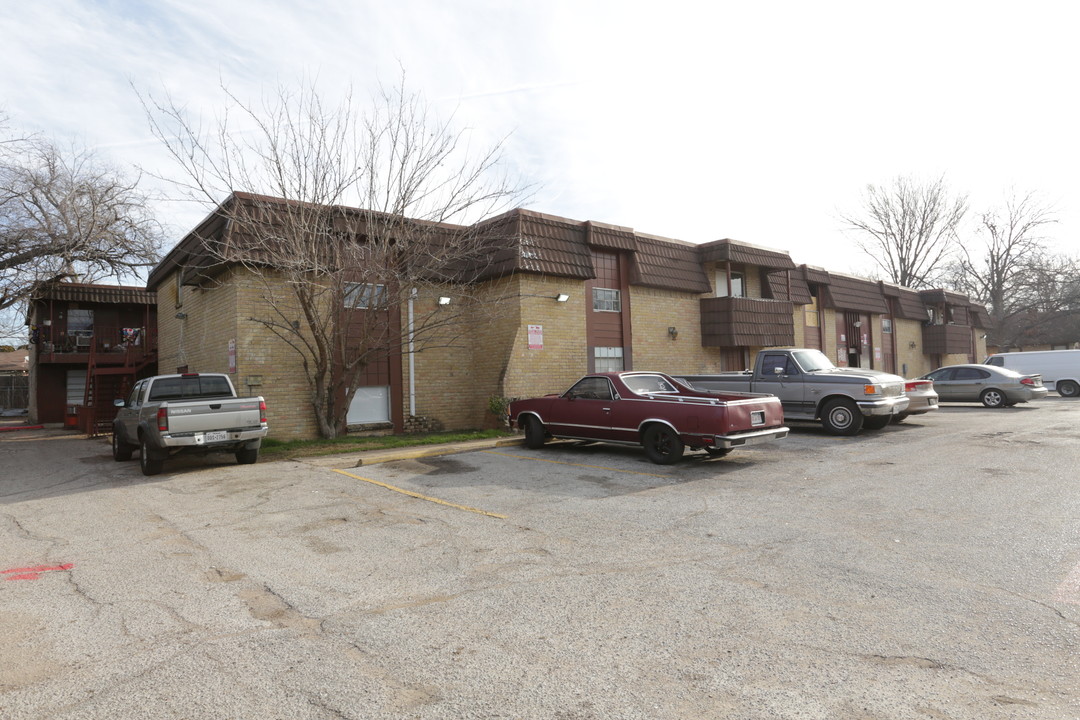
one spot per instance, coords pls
(929, 570)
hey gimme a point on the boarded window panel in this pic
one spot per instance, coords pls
(76, 387)
(369, 405)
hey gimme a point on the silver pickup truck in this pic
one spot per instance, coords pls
(810, 387)
(193, 412)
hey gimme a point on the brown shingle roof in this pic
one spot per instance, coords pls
(672, 266)
(777, 283)
(89, 293)
(14, 361)
(980, 318)
(733, 251)
(851, 293)
(610, 237)
(908, 304)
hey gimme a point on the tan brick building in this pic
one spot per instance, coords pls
(571, 297)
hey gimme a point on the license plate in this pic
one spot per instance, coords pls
(216, 436)
(757, 417)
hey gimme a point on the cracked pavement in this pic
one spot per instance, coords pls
(920, 571)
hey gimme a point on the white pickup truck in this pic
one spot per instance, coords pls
(192, 412)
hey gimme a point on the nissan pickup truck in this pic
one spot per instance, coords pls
(652, 410)
(192, 413)
(810, 387)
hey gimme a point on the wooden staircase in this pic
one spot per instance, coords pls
(105, 383)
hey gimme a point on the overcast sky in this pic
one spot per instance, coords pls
(697, 121)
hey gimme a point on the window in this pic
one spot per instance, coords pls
(608, 359)
(999, 361)
(591, 388)
(606, 300)
(779, 364)
(886, 325)
(970, 374)
(363, 296)
(642, 384)
(736, 289)
(190, 386)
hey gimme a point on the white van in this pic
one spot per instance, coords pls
(1060, 369)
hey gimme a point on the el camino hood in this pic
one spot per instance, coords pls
(858, 375)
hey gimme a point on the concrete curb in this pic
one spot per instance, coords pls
(374, 457)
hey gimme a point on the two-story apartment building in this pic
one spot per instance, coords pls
(88, 343)
(574, 297)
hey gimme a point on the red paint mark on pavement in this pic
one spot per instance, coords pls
(22, 427)
(33, 573)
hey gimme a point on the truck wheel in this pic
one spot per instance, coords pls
(841, 417)
(534, 432)
(120, 450)
(247, 457)
(992, 398)
(1068, 388)
(876, 422)
(148, 465)
(662, 445)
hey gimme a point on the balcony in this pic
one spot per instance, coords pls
(946, 339)
(109, 346)
(746, 322)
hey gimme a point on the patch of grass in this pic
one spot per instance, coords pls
(282, 449)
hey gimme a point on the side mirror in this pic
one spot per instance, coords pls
(118, 402)
(778, 371)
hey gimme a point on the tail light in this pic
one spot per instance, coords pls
(1027, 381)
(915, 385)
(262, 412)
(162, 420)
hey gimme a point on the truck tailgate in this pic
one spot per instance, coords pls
(224, 414)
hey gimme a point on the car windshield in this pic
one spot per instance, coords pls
(813, 360)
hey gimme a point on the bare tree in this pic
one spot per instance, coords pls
(909, 229)
(350, 218)
(1011, 270)
(67, 214)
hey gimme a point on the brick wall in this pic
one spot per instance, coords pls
(218, 312)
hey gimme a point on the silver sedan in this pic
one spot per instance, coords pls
(992, 386)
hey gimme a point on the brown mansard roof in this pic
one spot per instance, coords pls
(851, 293)
(778, 283)
(909, 305)
(745, 254)
(664, 264)
(92, 293)
(527, 241)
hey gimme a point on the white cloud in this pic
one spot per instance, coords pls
(690, 120)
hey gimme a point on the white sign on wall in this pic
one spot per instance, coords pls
(536, 337)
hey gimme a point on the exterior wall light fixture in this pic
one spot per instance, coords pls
(671, 331)
(444, 300)
(181, 316)
(562, 297)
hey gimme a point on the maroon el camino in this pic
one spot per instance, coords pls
(650, 409)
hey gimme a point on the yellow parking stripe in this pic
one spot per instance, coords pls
(410, 493)
(591, 467)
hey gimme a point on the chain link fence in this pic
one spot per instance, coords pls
(14, 391)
